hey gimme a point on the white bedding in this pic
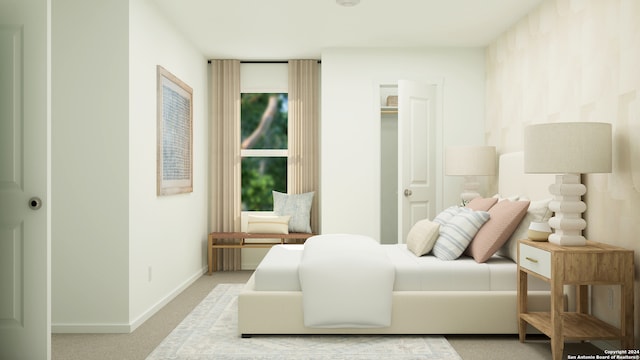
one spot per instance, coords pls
(346, 282)
(278, 271)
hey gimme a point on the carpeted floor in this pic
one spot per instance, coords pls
(140, 343)
(210, 332)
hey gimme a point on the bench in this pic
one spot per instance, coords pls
(241, 243)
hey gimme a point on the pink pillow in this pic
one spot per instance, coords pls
(505, 217)
(481, 204)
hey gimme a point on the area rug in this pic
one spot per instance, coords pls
(210, 332)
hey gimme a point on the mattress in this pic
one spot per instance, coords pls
(278, 271)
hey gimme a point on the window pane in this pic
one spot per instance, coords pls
(264, 119)
(261, 175)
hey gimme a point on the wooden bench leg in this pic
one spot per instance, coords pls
(210, 254)
(221, 244)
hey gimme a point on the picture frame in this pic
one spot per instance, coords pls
(174, 134)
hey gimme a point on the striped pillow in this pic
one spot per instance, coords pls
(458, 232)
(447, 214)
(268, 224)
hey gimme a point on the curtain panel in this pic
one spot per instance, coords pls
(225, 170)
(304, 90)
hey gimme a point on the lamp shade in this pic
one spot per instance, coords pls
(470, 160)
(567, 148)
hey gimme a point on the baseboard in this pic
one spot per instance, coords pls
(126, 328)
(90, 328)
(160, 304)
(248, 266)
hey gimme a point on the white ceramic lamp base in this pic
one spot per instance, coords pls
(568, 207)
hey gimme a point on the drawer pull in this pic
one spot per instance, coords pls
(531, 259)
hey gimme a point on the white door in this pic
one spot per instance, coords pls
(24, 168)
(416, 154)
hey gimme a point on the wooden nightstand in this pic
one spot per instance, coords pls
(593, 264)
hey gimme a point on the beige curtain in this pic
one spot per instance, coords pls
(225, 156)
(304, 95)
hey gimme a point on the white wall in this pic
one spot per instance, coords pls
(167, 235)
(90, 166)
(577, 61)
(108, 226)
(350, 125)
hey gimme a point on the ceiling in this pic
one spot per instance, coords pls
(287, 29)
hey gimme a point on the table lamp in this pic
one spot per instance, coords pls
(568, 149)
(470, 162)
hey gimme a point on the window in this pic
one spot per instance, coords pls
(264, 126)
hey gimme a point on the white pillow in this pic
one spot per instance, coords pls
(510, 198)
(298, 206)
(456, 234)
(422, 237)
(259, 224)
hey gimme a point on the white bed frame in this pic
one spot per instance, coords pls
(413, 312)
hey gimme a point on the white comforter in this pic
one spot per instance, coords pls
(346, 281)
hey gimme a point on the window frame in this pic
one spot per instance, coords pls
(264, 153)
(264, 78)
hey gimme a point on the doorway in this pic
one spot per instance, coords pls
(388, 164)
(408, 158)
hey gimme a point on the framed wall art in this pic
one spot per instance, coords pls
(175, 134)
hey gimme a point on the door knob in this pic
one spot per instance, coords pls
(407, 192)
(35, 203)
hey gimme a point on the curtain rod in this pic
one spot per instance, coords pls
(262, 61)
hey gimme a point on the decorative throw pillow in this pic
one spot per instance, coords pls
(503, 198)
(538, 210)
(422, 237)
(266, 224)
(298, 206)
(505, 217)
(481, 204)
(447, 214)
(456, 234)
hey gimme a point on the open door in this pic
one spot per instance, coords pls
(24, 208)
(416, 154)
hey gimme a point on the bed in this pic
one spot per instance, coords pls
(426, 295)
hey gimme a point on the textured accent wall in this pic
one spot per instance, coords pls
(577, 61)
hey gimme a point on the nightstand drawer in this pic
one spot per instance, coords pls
(536, 260)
